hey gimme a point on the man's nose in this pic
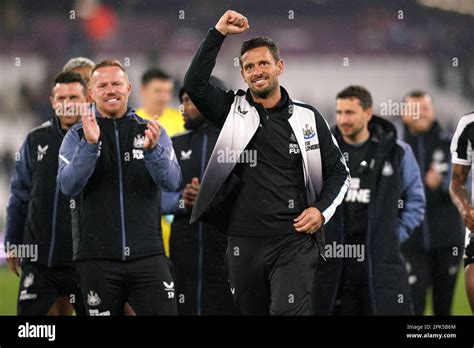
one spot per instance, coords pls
(257, 72)
(110, 89)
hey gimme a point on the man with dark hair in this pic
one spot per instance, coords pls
(38, 215)
(157, 92)
(434, 251)
(276, 175)
(362, 271)
(118, 163)
(196, 250)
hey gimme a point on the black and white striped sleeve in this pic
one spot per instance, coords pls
(461, 144)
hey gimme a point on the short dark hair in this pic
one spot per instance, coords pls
(260, 41)
(108, 63)
(70, 77)
(416, 93)
(359, 92)
(154, 74)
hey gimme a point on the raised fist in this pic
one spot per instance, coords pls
(232, 23)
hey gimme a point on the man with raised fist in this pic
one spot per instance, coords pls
(118, 163)
(276, 175)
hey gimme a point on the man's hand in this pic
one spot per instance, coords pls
(13, 263)
(152, 134)
(468, 217)
(433, 179)
(309, 221)
(190, 193)
(232, 23)
(91, 129)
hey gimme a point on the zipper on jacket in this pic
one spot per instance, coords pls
(122, 209)
(200, 230)
(53, 227)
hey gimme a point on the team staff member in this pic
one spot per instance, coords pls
(80, 65)
(156, 93)
(197, 250)
(434, 251)
(118, 163)
(461, 157)
(38, 214)
(276, 175)
(383, 205)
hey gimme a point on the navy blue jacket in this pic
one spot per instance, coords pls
(197, 250)
(442, 226)
(396, 208)
(118, 184)
(37, 213)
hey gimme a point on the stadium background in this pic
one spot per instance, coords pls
(388, 46)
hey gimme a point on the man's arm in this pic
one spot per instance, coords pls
(413, 195)
(336, 175)
(20, 189)
(461, 158)
(336, 179)
(17, 207)
(162, 164)
(459, 194)
(212, 102)
(170, 202)
(77, 159)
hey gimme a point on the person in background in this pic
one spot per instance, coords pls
(80, 65)
(197, 250)
(434, 251)
(384, 204)
(39, 215)
(156, 93)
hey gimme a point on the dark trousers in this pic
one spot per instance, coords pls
(437, 268)
(40, 286)
(145, 283)
(272, 275)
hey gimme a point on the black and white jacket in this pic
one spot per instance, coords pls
(325, 172)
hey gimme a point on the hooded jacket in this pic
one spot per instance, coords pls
(395, 209)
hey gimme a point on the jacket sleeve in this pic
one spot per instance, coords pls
(77, 159)
(212, 102)
(162, 164)
(413, 194)
(336, 175)
(20, 189)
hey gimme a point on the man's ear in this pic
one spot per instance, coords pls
(129, 88)
(90, 94)
(369, 112)
(51, 100)
(280, 66)
(242, 74)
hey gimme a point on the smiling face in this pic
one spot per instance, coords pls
(419, 115)
(351, 118)
(110, 90)
(66, 99)
(260, 71)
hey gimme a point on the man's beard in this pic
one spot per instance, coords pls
(195, 123)
(265, 93)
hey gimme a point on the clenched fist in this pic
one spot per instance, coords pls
(232, 23)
